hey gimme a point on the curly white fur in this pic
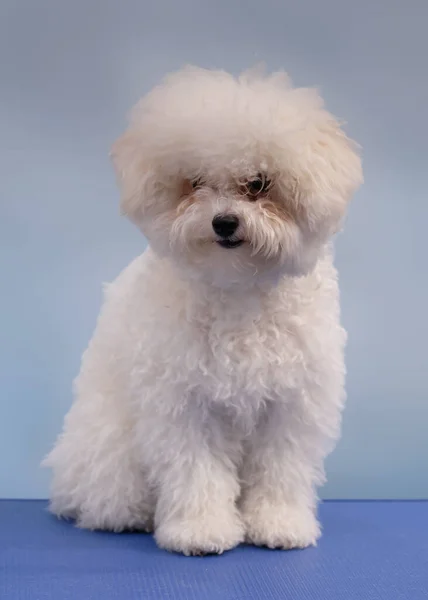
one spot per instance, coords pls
(213, 386)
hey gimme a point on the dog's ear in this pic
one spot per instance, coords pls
(134, 173)
(332, 173)
(341, 159)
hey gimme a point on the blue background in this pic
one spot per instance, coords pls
(69, 73)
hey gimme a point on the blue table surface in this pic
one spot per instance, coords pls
(369, 551)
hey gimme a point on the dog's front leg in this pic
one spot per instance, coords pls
(283, 464)
(197, 485)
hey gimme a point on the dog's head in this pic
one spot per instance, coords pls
(235, 179)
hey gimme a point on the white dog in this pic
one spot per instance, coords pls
(212, 389)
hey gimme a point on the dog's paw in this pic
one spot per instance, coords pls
(280, 526)
(198, 537)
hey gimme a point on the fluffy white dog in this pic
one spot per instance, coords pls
(212, 389)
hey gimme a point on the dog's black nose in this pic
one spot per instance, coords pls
(225, 225)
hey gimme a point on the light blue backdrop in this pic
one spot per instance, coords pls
(69, 73)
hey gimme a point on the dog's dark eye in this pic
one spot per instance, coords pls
(197, 183)
(257, 186)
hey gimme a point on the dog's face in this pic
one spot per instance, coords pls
(236, 180)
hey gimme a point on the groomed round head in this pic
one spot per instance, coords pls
(235, 179)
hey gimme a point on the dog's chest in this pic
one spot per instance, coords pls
(250, 352)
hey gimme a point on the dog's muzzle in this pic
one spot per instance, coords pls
(225, 226)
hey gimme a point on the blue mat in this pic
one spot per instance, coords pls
(369, 551)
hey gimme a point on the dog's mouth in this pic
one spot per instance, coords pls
(230, 243)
